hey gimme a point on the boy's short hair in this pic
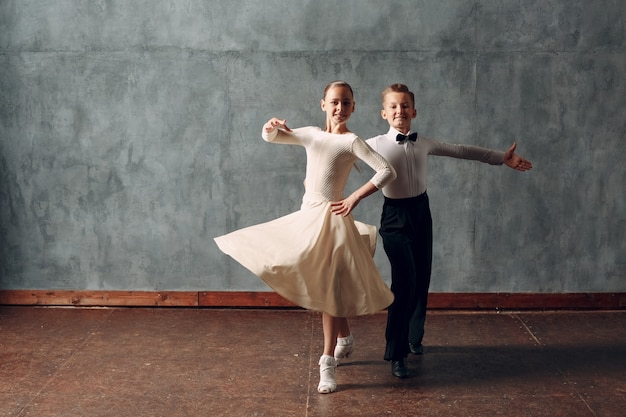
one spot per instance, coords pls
(398, 88)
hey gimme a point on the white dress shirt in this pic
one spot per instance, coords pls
(409, 159)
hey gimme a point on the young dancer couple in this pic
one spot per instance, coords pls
(321, 259)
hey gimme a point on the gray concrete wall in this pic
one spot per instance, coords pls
(130, 134)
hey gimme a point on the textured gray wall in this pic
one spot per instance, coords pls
(130, 134)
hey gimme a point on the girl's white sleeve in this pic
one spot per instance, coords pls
(280, 136)
(384, 171)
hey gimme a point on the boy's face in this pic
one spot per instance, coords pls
(398, 110)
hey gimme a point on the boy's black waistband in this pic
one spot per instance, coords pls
(406, 202)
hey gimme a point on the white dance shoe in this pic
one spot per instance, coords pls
(328, 383)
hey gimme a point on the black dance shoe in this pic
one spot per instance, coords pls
(416, 349)
(399, 368)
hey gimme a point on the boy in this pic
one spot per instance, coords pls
(406, 224)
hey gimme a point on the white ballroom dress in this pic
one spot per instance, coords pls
(314, 258)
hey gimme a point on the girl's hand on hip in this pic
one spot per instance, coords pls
(345, 206)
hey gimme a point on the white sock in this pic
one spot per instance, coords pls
(345, 341)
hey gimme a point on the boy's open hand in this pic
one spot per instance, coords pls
(515, 161)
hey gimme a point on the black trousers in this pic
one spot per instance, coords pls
(407, 232)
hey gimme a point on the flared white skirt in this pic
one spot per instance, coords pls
(315, 259)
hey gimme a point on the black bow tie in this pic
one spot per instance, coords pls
(401, 138)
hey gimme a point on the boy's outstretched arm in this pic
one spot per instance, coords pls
(515, 161)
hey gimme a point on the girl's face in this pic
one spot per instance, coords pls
(338, 104)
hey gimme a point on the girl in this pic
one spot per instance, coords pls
(318, 257)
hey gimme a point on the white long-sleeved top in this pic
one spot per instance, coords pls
(330, 158)
(410, 160)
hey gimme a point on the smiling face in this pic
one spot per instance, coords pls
(338, 104)
(398, 110)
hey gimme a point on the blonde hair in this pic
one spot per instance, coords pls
(338, 83)
(398, 88)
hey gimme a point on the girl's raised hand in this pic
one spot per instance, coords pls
(276, 123)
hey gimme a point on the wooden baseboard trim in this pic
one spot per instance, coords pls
(86, 298)
(252, 299)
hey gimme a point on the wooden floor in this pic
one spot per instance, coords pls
(232, 362)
